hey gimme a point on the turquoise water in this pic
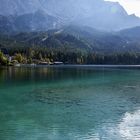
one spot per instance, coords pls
(69, 103)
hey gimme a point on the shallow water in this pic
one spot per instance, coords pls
(69, 103)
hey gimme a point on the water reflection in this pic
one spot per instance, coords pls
(129, 128)
(69, 103)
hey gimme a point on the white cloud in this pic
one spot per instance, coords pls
(131, 6)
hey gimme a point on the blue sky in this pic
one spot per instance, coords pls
(131, 6)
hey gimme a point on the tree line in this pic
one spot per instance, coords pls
(67, 56)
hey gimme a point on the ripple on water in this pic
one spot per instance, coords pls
(92, 105)
(54, 96)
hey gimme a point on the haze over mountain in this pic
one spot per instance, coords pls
(98, 14)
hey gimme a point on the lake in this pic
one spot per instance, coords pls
(69, 103)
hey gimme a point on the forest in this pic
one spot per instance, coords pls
(36, 55)
(70, 45)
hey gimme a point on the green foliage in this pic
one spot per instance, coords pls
(71, 47)
(20, 58)
(74, 56)
(3, 59)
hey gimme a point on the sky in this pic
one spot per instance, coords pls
(131, 6)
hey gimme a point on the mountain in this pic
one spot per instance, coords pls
(121, 41)
(73, 37)
(99, 14)
(37, 21)
(18, 7)
(131, 34)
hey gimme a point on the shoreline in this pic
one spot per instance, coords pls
(75, 65)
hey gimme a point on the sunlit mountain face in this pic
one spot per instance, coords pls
(98, 14)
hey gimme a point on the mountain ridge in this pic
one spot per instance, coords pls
(98, 14)
(77, 38)
(38, 21)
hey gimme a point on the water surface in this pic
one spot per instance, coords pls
(69, 103)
